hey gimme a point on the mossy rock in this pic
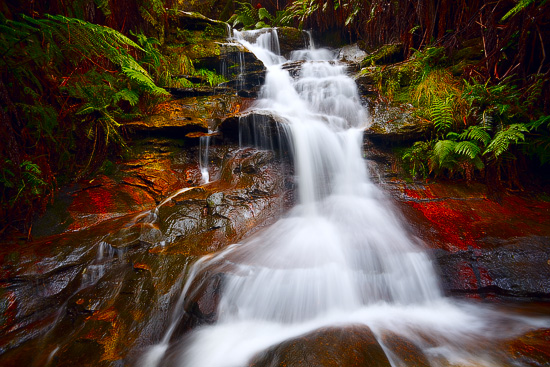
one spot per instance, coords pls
(189, 27)
(387, 54)
(215, 9)
(291, 39)
(396, 124)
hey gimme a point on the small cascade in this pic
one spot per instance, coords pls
(340, 257)
(204, 146)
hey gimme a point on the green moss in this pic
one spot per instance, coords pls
(386, 54)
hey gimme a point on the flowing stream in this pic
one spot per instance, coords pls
(340, 256)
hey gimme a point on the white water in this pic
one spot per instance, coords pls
(204, 147)
(340, 256)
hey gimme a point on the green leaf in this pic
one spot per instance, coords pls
(502, 140)
(477, 133)
(467, 148)
(264, 14)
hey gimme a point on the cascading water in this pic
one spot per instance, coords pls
(204, 142)
(340, 256)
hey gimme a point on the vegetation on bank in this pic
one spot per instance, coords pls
(478, 70)
(72, 74)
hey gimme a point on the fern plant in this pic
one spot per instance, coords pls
(502, 140)
(68, 80)
(460, 153)
(441, 114)
(247, 16)
(415, 159)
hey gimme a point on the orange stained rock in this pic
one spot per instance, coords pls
(531, 347)
(108, 315)
(142, 266)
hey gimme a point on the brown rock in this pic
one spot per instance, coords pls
(404, 350)
(531, 349)
(339, 347)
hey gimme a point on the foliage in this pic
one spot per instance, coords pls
(502, 139)
(477, 125)
(441, 114)
(29, 186)
(250, 17)
(520, 6)
(69, 80)
(416, 157)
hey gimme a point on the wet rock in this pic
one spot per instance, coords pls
(178, 21)
(189, 116)
(516, 267)
(387, 54)
(200, 307)
(200, 91)
(403, 350)
(291, 39)
(250, 188)
(530, 349)
(258, 129)
(156, 168)
(352, 55)
(396, 124)
(481, 247)
(293, 67)
(173, 118)
(342, 347)
(366, 85)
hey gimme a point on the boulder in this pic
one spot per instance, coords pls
(386, 54)
(396, 124)
(257, 128)
(339, 347)
(482, 248)
(291, 39)
(178, 22)
(95, 295)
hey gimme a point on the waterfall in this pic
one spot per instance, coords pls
(341, 256)
(204, 147)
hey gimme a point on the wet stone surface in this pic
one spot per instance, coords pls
(481, 247)
(99, 286)
(327, 347)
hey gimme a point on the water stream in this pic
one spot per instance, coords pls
(341, 256)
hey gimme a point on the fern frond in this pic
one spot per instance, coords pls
(103, 5)
(126, 95)
(534, 125)
(502, 140)
(467, 148)
(477, 133)
(441, 114)
(443, 149)
(264, 14)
